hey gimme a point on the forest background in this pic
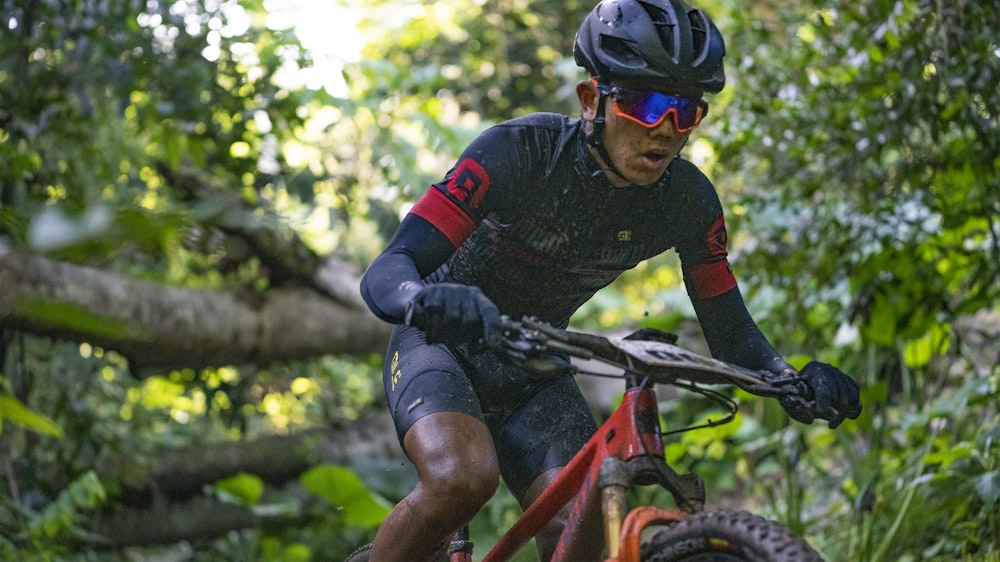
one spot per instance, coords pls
(189, 191)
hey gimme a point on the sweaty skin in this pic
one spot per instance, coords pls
(641, 154)
(454, 458)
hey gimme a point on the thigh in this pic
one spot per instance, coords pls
(544, 431)
(422, 379)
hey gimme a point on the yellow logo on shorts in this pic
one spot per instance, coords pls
(394, 368)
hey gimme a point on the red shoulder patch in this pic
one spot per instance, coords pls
(718, 240)
(468, 183)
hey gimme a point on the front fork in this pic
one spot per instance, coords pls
(622, 528)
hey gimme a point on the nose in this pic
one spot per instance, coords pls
(667, 128)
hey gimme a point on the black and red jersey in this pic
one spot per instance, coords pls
(538, 227)
(528, 215)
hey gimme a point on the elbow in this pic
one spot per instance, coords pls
(386, 296)
(368, 295)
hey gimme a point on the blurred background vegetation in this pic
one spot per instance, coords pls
(856, 148)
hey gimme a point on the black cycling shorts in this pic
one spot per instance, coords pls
(537, 423)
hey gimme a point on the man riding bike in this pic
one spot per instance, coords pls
(537, 215)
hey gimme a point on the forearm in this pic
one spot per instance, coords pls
(733, 336)
(389, 285)
(396, 276)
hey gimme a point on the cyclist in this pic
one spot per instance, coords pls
(538, 214)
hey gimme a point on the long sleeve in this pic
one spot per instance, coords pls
(733, 336)
(396, 275)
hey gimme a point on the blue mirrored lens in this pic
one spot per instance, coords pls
(650, 107)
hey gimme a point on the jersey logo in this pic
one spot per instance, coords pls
(624, 235)
(468, 183)
(718, 240)
(394, 369)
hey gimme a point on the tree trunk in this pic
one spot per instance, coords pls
(199, 519)
(170, 505)
(183, 473)
(159, 328)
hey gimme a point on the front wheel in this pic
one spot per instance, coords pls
(727, 536)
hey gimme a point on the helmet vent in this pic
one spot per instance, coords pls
(699, 33)
(666, 26)
(622, 52)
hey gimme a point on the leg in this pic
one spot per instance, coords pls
(590, 545)
(439, 424)
(457, 473)
(544, 431)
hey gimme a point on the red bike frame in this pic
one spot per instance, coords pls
(632, 431)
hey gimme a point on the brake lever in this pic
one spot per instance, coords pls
(795, 389)
(535, 359)
(532, 348)
(790, 384)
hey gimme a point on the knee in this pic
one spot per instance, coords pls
(457, 466)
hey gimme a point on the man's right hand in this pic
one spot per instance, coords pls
(453, 313)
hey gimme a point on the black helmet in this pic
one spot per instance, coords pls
(661, 43)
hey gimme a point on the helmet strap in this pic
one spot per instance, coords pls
(596, 139)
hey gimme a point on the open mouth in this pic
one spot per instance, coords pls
(655, 158)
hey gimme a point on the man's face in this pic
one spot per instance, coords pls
(640, 153)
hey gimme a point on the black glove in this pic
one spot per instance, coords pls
(835, 396)
(454, 314)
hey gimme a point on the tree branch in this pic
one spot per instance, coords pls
(285, 255)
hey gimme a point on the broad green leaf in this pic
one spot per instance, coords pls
(947, 456)
(74, 318)
(882, 326)
(919, 352)
(247, 488)
(12, 410)
(344, 490)
(988, 486)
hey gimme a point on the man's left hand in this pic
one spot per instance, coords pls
(836, 396)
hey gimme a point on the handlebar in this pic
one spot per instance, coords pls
(537, 346)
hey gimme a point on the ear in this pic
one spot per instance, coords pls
(589, 98)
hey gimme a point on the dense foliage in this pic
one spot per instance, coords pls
(871, 192)
(857, 148)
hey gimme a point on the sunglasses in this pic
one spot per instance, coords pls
(650, 108)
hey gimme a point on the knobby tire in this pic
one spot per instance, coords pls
(716, 536)
(727, 536)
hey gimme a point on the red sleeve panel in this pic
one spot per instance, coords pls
(712, 278)
(452, 205)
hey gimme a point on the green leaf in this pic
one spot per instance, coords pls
(344, 489)
(988, 486)
(882, 326)
(60, 516)
(247, 488)
(919, 352)
(74, 318)
(947, 456)
(11, 409)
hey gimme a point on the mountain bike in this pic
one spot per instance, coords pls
(627, 452)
